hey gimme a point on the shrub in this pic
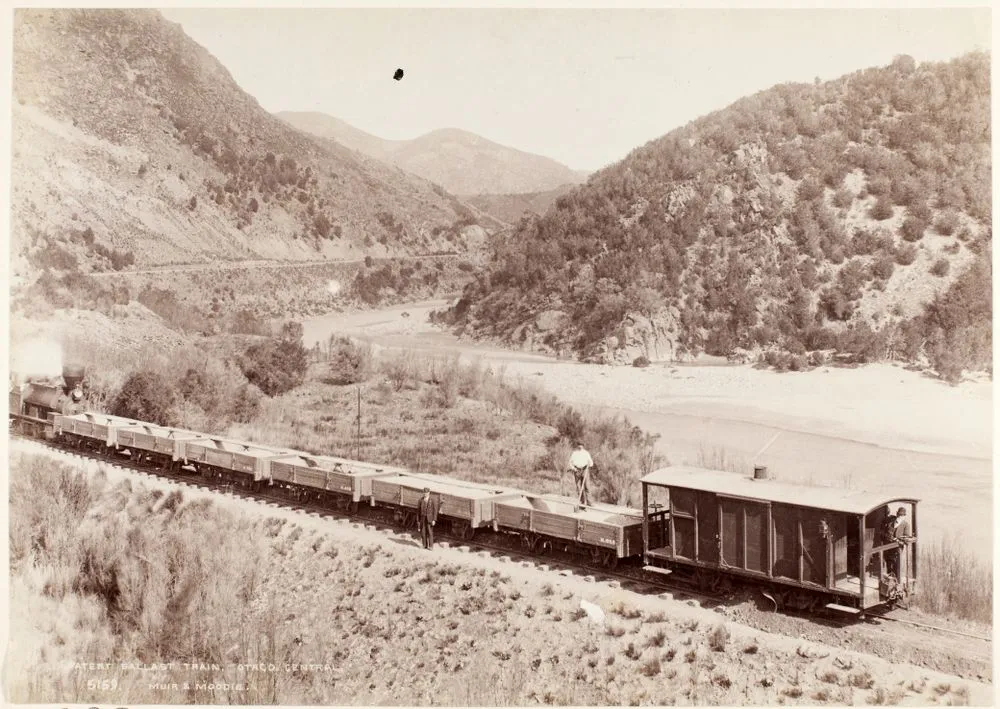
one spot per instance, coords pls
(54, 257)
(906, 254)
(246, 404)
(146, 396)
(862, 680)
(913, 228)
(640, 361)
(864, 242)
(843, 198)
(349, 362)
(940, 267)
(882, 209)
(571, 426)
(821, 338)
(883, 267)
(947, 223)
(245, 322)
(277, 365)
(809, 190)
(919, 210)
(835, 305)
(651, 667)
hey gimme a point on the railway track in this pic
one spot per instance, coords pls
(632, 578)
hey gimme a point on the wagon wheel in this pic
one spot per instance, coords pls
(597, 556)
(724, 585)
(462, 529)
(610, 560)
(530, 541)
(702, 580)
(409, 518)
(352, 507)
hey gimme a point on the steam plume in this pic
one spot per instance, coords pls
(37, 358)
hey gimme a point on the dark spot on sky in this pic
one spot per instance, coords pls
(398, 75)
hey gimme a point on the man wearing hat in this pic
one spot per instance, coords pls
(580, 463)
(901, 534)
(427, 514)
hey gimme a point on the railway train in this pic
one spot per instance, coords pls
(806, 547)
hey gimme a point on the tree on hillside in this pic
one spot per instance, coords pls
(146, 396)
(279, 364)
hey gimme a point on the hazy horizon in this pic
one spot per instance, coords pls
(582, 86)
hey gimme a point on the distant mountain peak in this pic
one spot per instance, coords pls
(460, 161)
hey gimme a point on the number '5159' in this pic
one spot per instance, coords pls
(106, 685)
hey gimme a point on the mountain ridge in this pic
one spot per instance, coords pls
(460, 161)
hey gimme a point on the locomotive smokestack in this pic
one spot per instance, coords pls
(760, 473)
(72, 376)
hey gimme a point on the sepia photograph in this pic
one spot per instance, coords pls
(499, 356)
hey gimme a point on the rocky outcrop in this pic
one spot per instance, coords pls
(654, 338)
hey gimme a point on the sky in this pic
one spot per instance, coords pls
(582, 86)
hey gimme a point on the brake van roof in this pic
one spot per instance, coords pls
(743, 486)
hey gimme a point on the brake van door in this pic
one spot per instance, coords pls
(709, 542)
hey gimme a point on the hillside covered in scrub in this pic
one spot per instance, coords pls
(133, 145)
(851, 214)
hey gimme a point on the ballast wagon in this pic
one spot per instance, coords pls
(607, 533)
(235, 462)
(327, 479)
(466, 505)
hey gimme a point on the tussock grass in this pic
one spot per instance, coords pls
(861, 680)
(657, 639)
(719, 458)
(718, 638)
(145, 569)
(953, 581)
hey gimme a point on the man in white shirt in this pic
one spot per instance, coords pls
(580, 463)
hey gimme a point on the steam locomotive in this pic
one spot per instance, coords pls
(35, 402)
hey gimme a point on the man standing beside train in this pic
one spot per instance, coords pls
(580, 463)
(427, 514)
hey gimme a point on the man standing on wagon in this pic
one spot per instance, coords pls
(580, 463)
(427, 514)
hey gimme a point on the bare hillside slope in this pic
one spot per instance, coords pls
(132, 144)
